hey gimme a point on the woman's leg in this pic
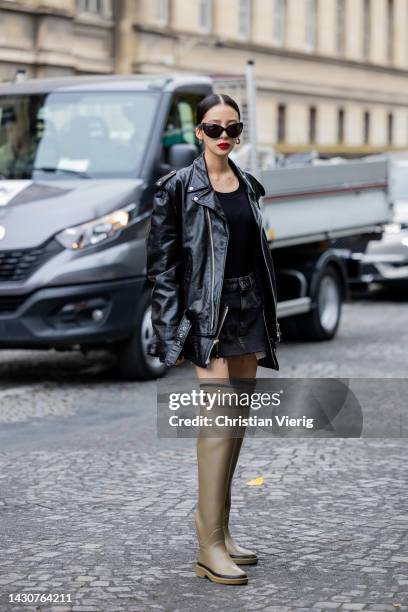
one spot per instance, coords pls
(240, 367)
(214, 457)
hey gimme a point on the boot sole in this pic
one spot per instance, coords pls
(244, 560)
(203, 571)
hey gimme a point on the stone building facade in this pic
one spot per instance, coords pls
(331, 74)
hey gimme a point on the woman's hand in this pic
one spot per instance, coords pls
(179, 361)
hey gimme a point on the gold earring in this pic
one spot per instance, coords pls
(238, 140)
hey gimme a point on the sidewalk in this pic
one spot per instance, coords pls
(115, 529)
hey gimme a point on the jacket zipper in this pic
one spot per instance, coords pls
(277, 327)
(224, 314)
(212, 267)
(216, 339)
(267, 334)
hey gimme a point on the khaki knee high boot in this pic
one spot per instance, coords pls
(214, 459)
(239, 554)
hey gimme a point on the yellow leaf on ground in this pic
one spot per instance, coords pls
(256, 481)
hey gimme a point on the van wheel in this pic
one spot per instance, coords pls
(133, 359)
(322, 322)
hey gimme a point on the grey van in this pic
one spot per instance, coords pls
(78, 161)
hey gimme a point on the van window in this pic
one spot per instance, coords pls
(97, 134)
(180, 125)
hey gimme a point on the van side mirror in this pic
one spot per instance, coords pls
(182, 154)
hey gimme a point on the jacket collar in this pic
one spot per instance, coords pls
(200, 180)
(201, 184)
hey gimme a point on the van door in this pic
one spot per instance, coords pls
(180, 124)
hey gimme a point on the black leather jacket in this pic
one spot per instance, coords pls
(186, 250)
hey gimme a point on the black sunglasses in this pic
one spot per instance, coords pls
(213, 130)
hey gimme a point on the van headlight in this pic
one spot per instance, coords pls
(96, 231)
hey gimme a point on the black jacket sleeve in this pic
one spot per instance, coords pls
(164, 268)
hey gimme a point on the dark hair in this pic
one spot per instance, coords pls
(212, 100)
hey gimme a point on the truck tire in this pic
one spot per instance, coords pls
(133, 360)
(322, 321)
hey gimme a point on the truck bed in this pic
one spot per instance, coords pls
(327, 200)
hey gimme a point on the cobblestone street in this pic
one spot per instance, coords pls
(95, 506)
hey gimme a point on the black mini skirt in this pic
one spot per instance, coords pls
(243, 330)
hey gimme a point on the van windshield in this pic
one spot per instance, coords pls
(91, 134)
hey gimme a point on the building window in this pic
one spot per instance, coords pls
(279, 28)
(310, 33)
(340, 26)
(390, 31)
(312, 124)
(340, 125)
(99, 7)
(205, 15)
(366, 127)
(366, 28)
(281, 123)
(244, 18)
(390, 128)
(163, 12)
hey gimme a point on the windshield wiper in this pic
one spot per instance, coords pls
(81, 173)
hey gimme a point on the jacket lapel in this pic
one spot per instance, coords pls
(204, 194)
(201, 189)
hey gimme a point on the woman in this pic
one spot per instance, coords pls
(214, 303)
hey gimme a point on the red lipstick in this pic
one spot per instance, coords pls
(223, 145)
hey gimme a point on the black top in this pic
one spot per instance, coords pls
(242, 232)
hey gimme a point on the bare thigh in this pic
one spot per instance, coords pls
(242, 366)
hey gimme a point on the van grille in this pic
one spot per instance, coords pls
(18, 265)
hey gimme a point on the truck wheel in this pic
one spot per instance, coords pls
(133, 359)
(322, 322)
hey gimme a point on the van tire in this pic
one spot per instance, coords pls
(133, 360)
